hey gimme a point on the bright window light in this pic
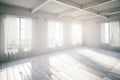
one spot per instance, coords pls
(26, 34)
(51, 34)
(55, 34)
(110, 33)
(59, 34)
(114, 34)
(76, 33)
(105, 33)
(17, 34)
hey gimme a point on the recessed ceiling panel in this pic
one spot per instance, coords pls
(85, 16)
(54, 7)
(82, 1)
(78, 13)
(107, 6)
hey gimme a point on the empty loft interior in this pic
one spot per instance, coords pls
(59, 39)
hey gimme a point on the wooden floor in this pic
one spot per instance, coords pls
(74, 64)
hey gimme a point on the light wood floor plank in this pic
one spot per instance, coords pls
(74, 64)
(3, 73)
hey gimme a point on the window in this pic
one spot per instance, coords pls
(114, 34)
(105, 33)
(76, 33)
(55, 34)
(17, 34)
(110, 33)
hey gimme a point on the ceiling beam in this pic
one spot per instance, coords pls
(76, 6)
(108, 13)
(88, 5)
(44, 2)
(97, 3)
(89, 17)
(112, 13)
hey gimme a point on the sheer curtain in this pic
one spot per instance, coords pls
(26, 34)
(12, 32)
(76, 33)
(55, 34)
(59, 33)
(16, 35)
(110, 34)
(105, 33)
(51, 34)
(114, 34)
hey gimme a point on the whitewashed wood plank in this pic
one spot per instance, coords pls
(3, 75)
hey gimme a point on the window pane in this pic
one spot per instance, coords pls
(26, 34)
(51, 34)
(12, 34)
(110, 33)
(76, 33)
(114, 33)
(55, 34)
(59, 34)
(105, 32)
(17, 34)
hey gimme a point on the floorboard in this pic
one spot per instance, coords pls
(74, 64)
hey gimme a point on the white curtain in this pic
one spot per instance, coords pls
(55, 34)
(26, 34)
(114, 34)
(110, 34)
(76, 33)
(59, 33)
(51, 34)
(11, 28)
(105, 33)
(16, 36)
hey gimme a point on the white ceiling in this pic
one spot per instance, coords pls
(107, 6)
(22, 3)
(82, 1)
(79, 13)
(56, 8)
(85, 16)
(53, 7)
